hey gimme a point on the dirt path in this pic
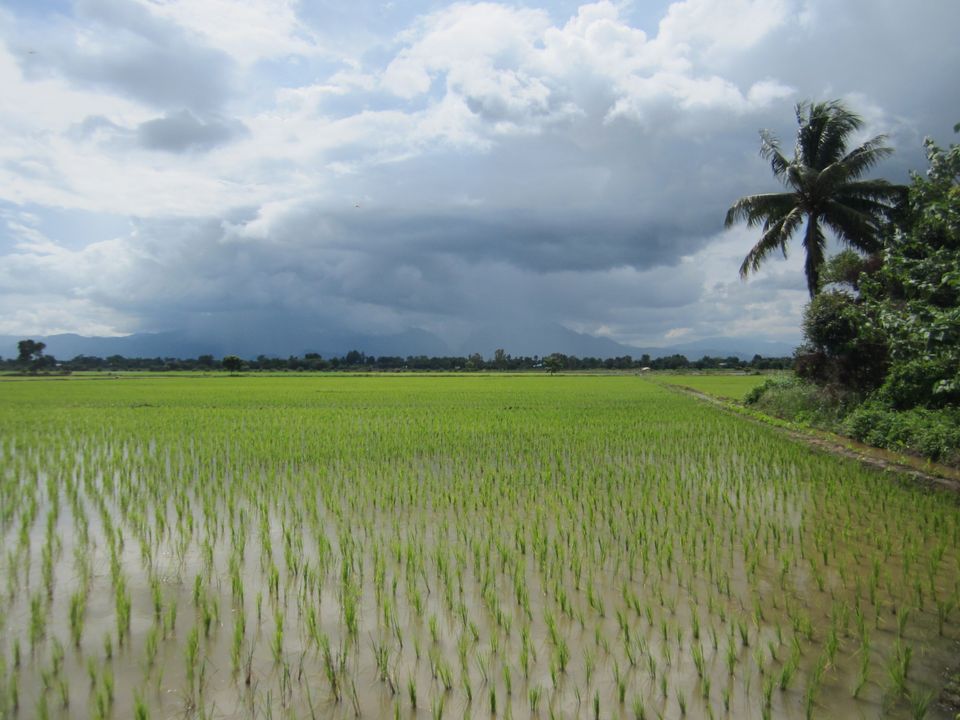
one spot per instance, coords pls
(914, 469)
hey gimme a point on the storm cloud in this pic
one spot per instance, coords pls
(182, 131)
(437, 167)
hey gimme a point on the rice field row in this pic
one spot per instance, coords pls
(460, 546)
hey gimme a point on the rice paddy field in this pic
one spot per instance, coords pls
(453, 546)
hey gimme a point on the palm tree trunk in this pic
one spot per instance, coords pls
(814, 244)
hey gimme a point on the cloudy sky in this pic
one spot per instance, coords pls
(417, 164)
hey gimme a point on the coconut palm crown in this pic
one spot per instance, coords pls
(823, 189)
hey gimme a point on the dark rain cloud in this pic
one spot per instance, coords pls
(128, 50)
(533, 211)
(184, 132)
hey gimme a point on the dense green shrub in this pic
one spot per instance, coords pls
(844, 346)
(887, 329)
(932, 433)
(915, 295)
(792, 398)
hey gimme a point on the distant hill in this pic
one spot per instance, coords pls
(293, 339)
(188, 345)
(542, 340)
(743, 348)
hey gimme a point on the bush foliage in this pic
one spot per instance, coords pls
(881, 357)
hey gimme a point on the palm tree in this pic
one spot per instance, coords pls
(823, 188)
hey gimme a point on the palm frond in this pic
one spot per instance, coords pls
(760, 208)
(846, 170)
(879, 191)
(775, 237)
(854, 226)
(801, 177)
(864, 157)
(770, 150)
(824, 131)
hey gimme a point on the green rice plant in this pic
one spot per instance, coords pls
(77, 610)
(832, 645)
(445, 674)
(944, 608)
(903, 616)
(698, 660)
(467, 686)
(920, 703)
(150, 647)
(732, 656)
(140, 709)
(38, 621)
(63, 693)
(42, 709)
(170, 623)
(620, 682)
(276, 644)
(483, 665)
(92, 671)
(436, 707)
(810, 699)
(208, 615)
(191, 656)
(331, 668)
(789, 669)
(533, 696)
(864, 672)
(744, 633)
(236, 646)
(13, 693)
(106, 684)
(860, 622)
(898, 668)
(767, 690)
(758, 661)
(563, 655)
(156, 595)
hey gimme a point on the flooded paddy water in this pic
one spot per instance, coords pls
(466, 546)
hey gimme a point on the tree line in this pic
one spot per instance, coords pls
(32, 359)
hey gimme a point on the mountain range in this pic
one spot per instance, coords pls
(279, 341)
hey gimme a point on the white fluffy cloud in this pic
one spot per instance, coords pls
(474, 162)
(247, 30)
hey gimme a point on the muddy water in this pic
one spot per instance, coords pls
(683, 588)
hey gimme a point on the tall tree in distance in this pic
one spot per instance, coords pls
(823, 189)
(31, 353)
